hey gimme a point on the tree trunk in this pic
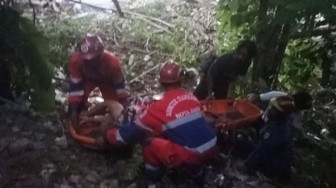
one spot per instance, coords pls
(271, 43)
(265, 63)
(282, 44)
(116, 4)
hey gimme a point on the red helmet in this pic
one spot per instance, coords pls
(91, 46)
(170, 72)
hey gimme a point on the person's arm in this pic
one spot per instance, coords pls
(119, 82)
(211, 74)
(266, 97)
(76, 89)
(209, 81)
(134, 131)
(126, 135)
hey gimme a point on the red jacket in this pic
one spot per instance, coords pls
(176, 117)
(109, 77)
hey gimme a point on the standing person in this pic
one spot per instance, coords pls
(172, 131)
(218, 76)
(92, 67)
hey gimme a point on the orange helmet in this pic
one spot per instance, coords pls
(90, 46)
(170, 72)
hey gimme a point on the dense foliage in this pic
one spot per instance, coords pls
(283, 30)
(23, 57)
(295, 42)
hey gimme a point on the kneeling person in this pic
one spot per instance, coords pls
(172, 131)
(274, 152)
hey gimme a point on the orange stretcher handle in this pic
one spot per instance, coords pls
(82, 139)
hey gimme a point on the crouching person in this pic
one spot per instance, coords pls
(273, 154)
(172, 130)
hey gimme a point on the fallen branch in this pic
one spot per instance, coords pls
(153, 24)
(150, 53)
(115, 39)
(151, 18)
(54, 5)
(144, 73)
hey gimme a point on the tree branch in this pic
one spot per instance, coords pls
(144, 73)
(34, 13)
(151, 18)
(282, 44)
(116, 4)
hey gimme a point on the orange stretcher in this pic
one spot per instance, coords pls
(231, 114)
(227, 114)
(86, 134)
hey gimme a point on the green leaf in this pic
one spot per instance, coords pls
(234, 5)
(43, 100)
(30, 54)
(236, 20)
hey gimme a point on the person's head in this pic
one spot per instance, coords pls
(246, 50)
(303, 100)
(280, 106)
(91, 49)
(170, 75)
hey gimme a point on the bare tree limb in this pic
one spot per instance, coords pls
(34, 13)
(153, 24)
(144, 73)
(151, 18)
(153, 52)
(116, 4)
(115, 39)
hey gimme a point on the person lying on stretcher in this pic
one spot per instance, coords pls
(111, 113)
(107, 114)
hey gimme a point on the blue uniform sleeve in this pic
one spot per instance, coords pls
(126, 135)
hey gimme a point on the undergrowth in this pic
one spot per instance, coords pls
(128, 33)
